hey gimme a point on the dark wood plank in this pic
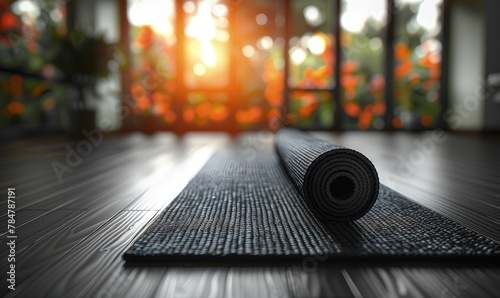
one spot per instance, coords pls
(425, 282)
(193, 283)
(41, 226)
(377, 282)
(50, 247)
(28, 235)
(79, 267)
(33, 160)
(54, 194)
(171, 178)
(142, 282)
(112, 173)
(84, 195)
(318, 282)
(257, 282)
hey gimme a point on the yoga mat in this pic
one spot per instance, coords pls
(249, 208)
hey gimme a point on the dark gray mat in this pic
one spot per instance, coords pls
(245, 208)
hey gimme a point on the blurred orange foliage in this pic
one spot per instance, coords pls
(15, 107)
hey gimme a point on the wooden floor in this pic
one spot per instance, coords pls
(71, 233)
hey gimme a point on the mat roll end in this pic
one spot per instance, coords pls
(337, 183)
(340, 185)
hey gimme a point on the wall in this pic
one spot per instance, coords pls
(492, 101)
(466, 64)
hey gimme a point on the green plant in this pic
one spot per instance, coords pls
(81, 58)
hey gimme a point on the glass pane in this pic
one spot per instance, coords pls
(206, 49)
(260, 64)
(312, 44)
(311, 109)
(417, 63)
(153, 48)
(202, 109)
(362, 70)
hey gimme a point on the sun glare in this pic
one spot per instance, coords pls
(208, 54)
(146, 12)
(316, 44)
(202, 27)
(199, 69)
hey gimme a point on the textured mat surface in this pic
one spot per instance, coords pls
(244, 207)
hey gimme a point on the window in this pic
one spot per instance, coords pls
(243, 64)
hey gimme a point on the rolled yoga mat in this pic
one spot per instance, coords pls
(337, 183)
(246, 204)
